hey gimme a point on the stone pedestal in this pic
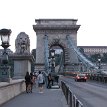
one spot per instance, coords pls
(5, 73)
(22, 64)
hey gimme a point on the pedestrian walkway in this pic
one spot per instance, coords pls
(50, 98)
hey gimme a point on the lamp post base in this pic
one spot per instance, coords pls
(5, 74)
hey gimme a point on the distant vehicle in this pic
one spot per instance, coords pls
(81, 77)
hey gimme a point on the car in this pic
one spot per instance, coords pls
(81, 77)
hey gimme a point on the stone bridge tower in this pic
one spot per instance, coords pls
(56, 30)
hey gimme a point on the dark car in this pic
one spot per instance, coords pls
(81, 77)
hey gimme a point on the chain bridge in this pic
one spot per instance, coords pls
(53, 36)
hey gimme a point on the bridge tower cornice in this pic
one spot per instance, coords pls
(56, 24)
(56, 27)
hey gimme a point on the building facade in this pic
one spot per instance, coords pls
(90, 50)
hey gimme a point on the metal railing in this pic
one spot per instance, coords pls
(71, 99)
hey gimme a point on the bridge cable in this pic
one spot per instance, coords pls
(81, 57)
(46, 54)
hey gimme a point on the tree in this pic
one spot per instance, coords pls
(104, 58)
(94, 58)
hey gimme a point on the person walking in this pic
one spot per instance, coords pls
(32, 81)
(49, 80)
(28, 82)
(40, 79)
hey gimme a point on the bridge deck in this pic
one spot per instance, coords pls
(50, 98)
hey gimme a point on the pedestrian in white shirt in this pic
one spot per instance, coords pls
(40, 82)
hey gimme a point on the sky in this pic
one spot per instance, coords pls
(20, 15)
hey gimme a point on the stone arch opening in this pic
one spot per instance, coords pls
(57, 43)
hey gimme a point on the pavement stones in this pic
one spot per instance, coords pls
(50, 98)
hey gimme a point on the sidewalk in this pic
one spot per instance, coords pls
(50, 98)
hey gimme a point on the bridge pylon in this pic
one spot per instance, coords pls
(56, 31)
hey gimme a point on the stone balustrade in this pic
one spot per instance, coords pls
(11, 89)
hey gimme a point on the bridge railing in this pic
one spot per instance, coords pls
(71, 99)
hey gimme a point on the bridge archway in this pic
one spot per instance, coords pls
(61, 45)
(56, 31)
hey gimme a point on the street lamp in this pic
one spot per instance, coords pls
(5, 36)
(49, 60)
(99, 66)
(52, 54)
(81, 68)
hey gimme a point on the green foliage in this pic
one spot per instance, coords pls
(104, 58)
(94, 58)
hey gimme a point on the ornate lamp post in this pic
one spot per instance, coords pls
(81, 67)
(99, 64)
(52, 54)
(49, 59)
(55, 77)
(5, 36)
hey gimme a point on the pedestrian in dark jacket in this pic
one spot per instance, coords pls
(28, 82)
(50, 81)
(32, 81)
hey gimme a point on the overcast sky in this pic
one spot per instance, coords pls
(20, 15)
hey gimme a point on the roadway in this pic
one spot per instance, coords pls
(91, 94)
